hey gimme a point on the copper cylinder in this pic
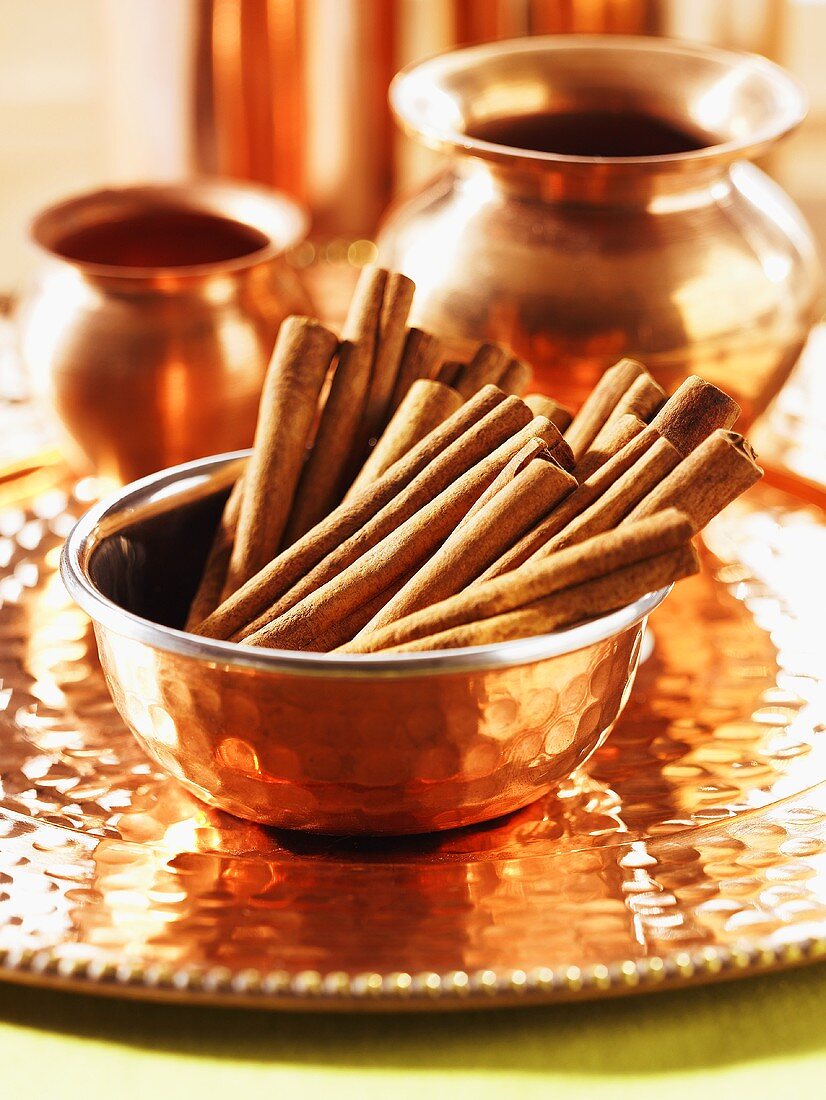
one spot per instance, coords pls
(293, 94)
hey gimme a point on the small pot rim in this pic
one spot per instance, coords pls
(286, 225)
(404, 107)
(190, 476)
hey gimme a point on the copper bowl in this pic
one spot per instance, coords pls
(376, 744)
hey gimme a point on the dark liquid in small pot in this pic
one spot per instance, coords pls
(164, 238)
(592, 134)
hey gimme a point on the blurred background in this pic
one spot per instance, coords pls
(292, 93)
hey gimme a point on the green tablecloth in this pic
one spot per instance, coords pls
(759, 1037)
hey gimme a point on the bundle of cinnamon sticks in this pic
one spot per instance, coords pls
(394, 501)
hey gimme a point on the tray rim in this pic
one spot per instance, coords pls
(337, 991)
(373, 991)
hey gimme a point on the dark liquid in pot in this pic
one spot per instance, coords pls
(591, 134)
(164, 238)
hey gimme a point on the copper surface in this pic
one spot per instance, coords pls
(693, 262)
(691, 847)
(325, 742)
(150, 367)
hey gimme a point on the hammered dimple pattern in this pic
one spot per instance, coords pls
(693, 841)
(385, 755)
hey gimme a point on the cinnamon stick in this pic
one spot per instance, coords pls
(398, 297)
(427, 404)
(582, 497)
(619, 500)
(534, 448)
(612, 437)
(449, 371)
(516, 377)
(540, 405)
(322, 480)
(643, 398)
(600, 403)
(558, 446)
(323, 476)
(420, 359)
(214, 573)
(603, 555)
(302, 355)
(586, 601)
(718, 470)
(532, 492)
(325, 643)
(486, 367)
(500, 429)
(403, 547)
(361, 325)
(279, 576)
(691, 414)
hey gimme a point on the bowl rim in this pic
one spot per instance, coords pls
(445, 138)
(285, 226)
(86, 536)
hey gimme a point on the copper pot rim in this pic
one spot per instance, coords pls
(286, 224)
(448, 139)
(204, 476)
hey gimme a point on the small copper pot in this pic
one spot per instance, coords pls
(153, 365)
(694, 261)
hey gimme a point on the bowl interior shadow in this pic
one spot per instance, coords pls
(152, 565)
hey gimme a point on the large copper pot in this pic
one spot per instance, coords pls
(148, 366)
(694, 262)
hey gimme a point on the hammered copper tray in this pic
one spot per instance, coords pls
(692, 847)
